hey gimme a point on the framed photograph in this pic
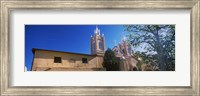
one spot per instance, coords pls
(100, 47)
(100, 52)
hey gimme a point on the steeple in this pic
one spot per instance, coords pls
(123, 37)
(97, 30)
(97, 42)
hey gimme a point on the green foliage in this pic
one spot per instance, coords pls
(110, 61)
(159, 42)
(143, 58)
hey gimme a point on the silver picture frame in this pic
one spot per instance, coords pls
(6, 6)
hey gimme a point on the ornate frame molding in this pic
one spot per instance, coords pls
(6, 6)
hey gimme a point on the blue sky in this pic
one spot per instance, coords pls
(69, 38)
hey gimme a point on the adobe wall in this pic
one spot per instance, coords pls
(45, 59)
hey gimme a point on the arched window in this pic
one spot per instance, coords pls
(100, 44)
(123, 51)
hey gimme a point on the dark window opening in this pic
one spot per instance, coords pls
(84, 60)
(57, 60)
(100, 45)
(123, 51)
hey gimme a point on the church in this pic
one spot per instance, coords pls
(51, 60)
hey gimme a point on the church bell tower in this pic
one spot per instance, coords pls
(97, 43)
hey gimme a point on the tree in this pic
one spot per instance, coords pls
(110, 61)
(159, 40)
(145, 59)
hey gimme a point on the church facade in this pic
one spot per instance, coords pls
(124, 53)
(50, 60)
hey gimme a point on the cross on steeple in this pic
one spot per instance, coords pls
(115, 42)
(123, 37)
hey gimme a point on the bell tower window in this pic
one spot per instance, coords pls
(100, 44)
(97, 42)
